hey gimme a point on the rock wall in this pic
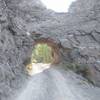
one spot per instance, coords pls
(77, 32)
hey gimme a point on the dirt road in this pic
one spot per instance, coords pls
(57, 84)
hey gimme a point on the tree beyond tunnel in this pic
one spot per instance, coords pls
(42, 53)
(42, 57)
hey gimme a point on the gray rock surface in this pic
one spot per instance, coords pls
(19, 19)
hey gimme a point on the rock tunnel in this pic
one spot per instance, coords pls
(54, 53)
(78, 30)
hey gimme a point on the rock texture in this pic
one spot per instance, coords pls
(78, 32)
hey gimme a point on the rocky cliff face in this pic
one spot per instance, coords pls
(78, 31)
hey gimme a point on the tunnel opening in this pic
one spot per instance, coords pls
(42, 53)
(45, 53)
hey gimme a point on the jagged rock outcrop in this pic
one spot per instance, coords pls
(78, 31)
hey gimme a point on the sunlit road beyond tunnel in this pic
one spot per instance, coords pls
(57, 84)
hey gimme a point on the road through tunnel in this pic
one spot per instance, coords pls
(45, 53)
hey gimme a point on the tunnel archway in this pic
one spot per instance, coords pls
(36, 67)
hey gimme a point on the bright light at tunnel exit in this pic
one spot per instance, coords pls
(41, 59)
(58, 5)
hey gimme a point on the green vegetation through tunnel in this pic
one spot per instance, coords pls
(42, 53)
(41, 59)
